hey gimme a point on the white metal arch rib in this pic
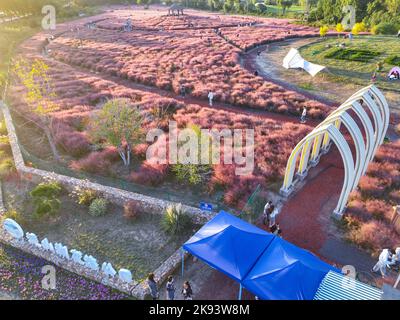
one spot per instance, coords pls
(345, 152)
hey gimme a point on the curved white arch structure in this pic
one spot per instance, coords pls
(318, 142)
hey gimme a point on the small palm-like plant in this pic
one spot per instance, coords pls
(175, 220)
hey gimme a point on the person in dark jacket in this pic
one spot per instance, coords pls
(187, 292)
(151, 283)
(170, 288)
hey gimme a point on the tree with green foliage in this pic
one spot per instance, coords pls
(193, 173)
(284, 4)
(39, 95)
(119, 124)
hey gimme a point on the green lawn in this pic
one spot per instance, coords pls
(358, 60)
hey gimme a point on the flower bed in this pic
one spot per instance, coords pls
(21, 277)
(198, 59)
(369, 213)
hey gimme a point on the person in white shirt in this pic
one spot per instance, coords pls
(303, 115)
(267, 212)
(383, 262)
(210, 98)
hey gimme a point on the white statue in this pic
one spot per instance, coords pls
(33, 239)
(91, 262)
(108, 269)
(61, 250)
(76, 256)
(125, 275)
(46, 245)
(13, 228)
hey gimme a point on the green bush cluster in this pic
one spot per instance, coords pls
(352, 54)
(98, 207)
(393, 60)
(387, 28)
(45, 198)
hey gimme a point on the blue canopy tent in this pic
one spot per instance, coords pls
(286, 272)
(266, 265)
(229, 245)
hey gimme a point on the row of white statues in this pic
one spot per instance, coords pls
(90, 262)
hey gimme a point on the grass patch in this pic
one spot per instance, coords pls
(393, 60)
(359, 55)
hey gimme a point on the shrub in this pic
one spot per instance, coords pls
(132, 210)
(3, 128)
(84, 196)
(394, 61)
(339, 28)
(14, 215)
(150, 174)
(371, 187)
(175, 220)
(374, 236)
(388, 28)
(98, 207)
(358, 27)
(323, 31)
(45, 198)
(6, 167)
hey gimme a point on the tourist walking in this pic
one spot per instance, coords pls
(383, 262)
(183, 90)
(272, 216)
(303, 115)
(170, 288)
(266, 213)
(187, 292)
(210, 98)
(276, 230)
(151, 283)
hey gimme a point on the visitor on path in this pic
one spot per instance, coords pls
(373, 78)
(303, 115)
(170, 288)
(210, 98)
(398, 34)
(395, 261)
(256, 73)
(276, 230)
(266, 213)
(183, 90)
(272, 216)
(383, 262)
(151, 283)
(187, 292)
(128, 25)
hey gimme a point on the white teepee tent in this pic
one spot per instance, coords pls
(294, 60)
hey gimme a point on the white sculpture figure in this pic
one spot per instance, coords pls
(125, 275)
(61, 250)
(91, 262)
(108, 269)
(33, 239)
(46, 245)
(13, 228)
(76, 256)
